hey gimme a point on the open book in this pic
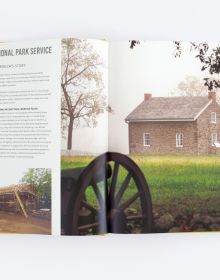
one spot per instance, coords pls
(109, 137)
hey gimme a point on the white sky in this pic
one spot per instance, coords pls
(148, 68)
(12, 175)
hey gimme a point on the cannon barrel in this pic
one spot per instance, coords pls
(70, 177)
(70, 186)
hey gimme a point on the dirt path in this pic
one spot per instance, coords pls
(14, 223)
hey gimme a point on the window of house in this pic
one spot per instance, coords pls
(146, 139)
(214, 138)
(179, 140)
(213, 117)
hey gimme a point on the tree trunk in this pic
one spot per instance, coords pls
(70, 134)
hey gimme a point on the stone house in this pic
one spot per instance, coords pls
(175, 125)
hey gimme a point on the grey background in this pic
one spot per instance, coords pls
(168, 256)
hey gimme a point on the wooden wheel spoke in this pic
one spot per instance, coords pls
(138, 217)
(127, 203)
(98, 195)
(122, 189)
(114, 181)
(95, 207)
(87, 226)
(89, 206)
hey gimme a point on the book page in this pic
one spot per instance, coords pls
(29, 142)
(53, 116)
(166, 127)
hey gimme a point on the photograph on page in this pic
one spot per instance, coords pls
(165, 97)
(160, 170)
(25, 201)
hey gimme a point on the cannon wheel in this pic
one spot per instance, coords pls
(116, 215)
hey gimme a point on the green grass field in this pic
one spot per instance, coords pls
(178, 184)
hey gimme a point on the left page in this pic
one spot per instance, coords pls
(29, 137)
(53, 116)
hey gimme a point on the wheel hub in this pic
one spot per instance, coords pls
(117, 221)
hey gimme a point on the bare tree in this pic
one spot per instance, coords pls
(193, 86)
(82, 86)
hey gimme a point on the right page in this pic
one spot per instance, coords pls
(164, 132)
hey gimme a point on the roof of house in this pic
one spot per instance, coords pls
(169, 108)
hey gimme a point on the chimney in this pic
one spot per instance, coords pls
(147, 96)
(212, 95)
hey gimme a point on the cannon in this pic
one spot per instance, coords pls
(111, 195)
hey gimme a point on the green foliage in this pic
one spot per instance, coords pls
(40, 178)
(208, 57)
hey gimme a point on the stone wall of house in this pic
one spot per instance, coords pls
(205, 128)
(163, 137)
(196, 134)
